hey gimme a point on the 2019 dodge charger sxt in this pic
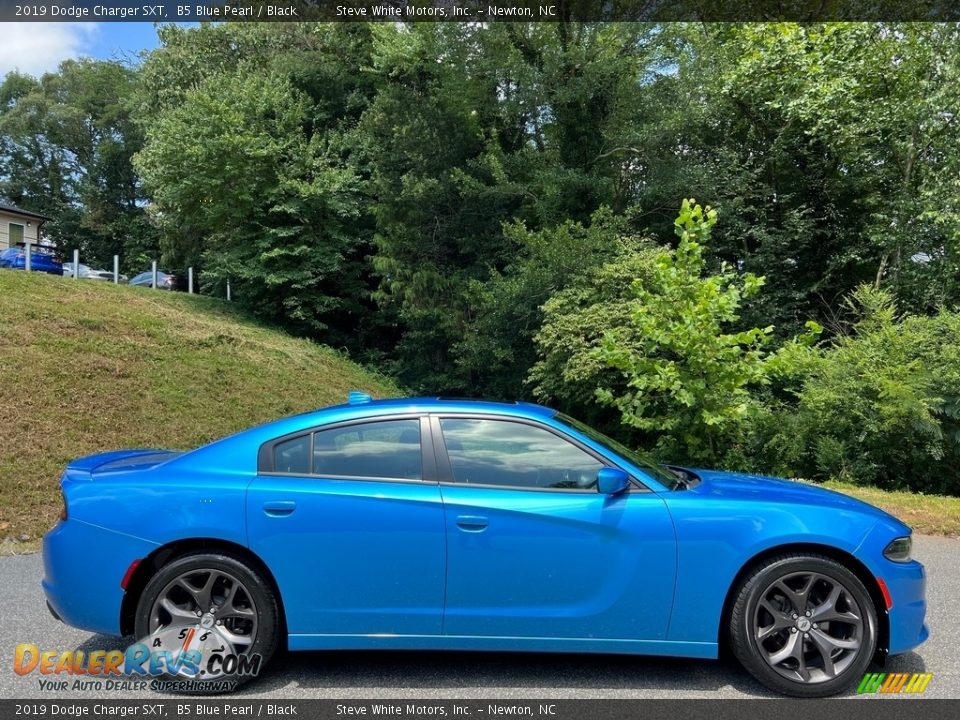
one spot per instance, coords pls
(466, 525)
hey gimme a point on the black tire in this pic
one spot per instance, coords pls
(256, 614)
(832, 654)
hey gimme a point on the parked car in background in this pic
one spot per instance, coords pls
(165, 281)
(16, 259)
(89, 273)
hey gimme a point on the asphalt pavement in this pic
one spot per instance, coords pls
(428, 675)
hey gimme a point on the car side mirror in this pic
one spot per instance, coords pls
(612, 481)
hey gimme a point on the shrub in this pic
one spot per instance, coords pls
(569, 372)
(881, 406)
(664, 350)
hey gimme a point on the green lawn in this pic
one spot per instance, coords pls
(91, 366)
(926, 514)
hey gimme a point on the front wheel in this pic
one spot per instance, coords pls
(804, 625)
(218, 612)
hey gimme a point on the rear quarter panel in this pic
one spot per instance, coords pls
(165, 503)
(118, 517)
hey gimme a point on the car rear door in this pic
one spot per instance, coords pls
(534, 551)
(350, 521)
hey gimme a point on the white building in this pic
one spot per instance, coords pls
(19, 226)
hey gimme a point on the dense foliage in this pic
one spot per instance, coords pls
(66, 145)
(688, 375)
(490, 210)
(879, 406)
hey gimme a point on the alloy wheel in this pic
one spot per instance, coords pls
(808, 627)
(208, 610)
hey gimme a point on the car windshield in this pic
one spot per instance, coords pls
(641, 460)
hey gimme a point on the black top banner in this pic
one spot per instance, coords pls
(479, 10)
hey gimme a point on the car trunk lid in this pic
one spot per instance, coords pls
(120, 460)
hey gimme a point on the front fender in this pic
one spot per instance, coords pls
(717, 538)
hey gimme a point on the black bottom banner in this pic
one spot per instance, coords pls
(191, 708)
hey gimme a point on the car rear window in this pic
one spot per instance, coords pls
(387, 449)
(292, 456)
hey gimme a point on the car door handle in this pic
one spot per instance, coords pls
(279, 508)
(472, 523)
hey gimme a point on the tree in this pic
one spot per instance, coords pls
(506, 311)
(688, 377)
(464, 203)
(877, 404)
(827, 147)
(474, 127)
(251, 167)
(282, 231)
(66, 143)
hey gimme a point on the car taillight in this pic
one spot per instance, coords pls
(63, 505)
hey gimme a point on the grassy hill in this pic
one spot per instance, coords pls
(90, 366)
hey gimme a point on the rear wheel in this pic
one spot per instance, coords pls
(216, 605)
(804, 625)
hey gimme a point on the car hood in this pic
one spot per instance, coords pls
(740, 486)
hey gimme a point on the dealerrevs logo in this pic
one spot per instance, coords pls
(141, 664)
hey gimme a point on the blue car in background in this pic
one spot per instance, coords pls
(429, 523)
(16, 259)
(165, 281)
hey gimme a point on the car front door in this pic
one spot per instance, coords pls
(534, 550)
(350, 521)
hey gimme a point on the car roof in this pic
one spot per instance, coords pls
(445, 404)
(34, 250)
(365, 407)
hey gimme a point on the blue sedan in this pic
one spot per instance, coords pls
(467, 525)
(16, 259)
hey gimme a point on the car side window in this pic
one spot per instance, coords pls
(499, 452)
(386, 449)
(292, 456)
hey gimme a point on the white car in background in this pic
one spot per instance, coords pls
(89, 273)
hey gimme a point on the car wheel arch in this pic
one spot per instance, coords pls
(843, 557)
(164, 554)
